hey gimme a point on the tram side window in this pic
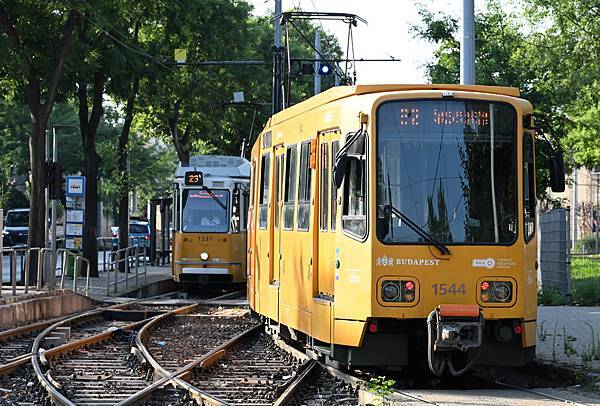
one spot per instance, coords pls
(290, 187)
(252, 197)
(335, 147)
(263, 210)
(528, 187)
(304, 190)
(175, 211)
(354, 219)
(324, 186)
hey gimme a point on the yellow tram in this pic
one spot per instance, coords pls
(210, 201)
(395, 224)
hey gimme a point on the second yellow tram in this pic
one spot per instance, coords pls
(210, 201)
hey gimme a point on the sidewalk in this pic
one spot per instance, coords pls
(569, 335)
(99, 285)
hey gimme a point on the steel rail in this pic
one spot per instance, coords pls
(177, 378)
(45, 380)
(217, 353)
(31, 328)
(536, 392)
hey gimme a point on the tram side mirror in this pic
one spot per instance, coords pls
(235, 211)
(557, 173)
(357, 148)
(339, 171)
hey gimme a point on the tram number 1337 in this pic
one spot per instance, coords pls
(448, 289)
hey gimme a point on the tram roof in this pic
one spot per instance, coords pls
(216, 166)
(340, 92)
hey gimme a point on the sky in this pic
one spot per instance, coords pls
(386, 34)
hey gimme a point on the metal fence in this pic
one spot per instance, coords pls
(125, 264)
(21, 259)
(555, 252)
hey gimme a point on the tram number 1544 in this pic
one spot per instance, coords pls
(448, 289)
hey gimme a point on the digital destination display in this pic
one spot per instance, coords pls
(193, 178)
(413, 117)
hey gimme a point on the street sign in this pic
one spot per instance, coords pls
(74, 243)
(74, 230)
(75, 216)
(75, 186)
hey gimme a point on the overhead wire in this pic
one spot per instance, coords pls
(138, 51)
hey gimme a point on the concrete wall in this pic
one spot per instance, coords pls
(47, 305)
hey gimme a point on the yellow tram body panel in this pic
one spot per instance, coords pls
(314, 277)
(227, 255)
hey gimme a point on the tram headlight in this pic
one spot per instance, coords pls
(204, 256)
(398, 291)
(496, 291)
(390, 291)
(502, 291)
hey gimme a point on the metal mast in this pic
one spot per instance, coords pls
(467, 49)
(277, 59)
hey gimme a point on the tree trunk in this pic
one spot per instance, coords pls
(37, 216)
(180, 143)
(89, 127)
(123, 170)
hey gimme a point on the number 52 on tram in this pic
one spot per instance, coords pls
(210, 197)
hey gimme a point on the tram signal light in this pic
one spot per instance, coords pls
(325, 69)
(54, 179)
(307, 69)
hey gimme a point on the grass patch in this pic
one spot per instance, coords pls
(585, 278)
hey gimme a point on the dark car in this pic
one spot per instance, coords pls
(139, 233)
(16, 227)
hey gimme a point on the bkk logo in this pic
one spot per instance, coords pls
(488, 263)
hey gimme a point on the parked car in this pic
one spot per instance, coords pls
(139, 233)
(16, 227)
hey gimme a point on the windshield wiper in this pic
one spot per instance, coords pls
(417, 229)
(215, 198)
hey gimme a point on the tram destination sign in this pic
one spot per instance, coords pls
(194, 178)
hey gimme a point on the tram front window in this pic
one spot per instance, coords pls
(450, 167)
(203, 214)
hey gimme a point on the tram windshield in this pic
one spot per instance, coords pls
(449, 166)
(202, 213)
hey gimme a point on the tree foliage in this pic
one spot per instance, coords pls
(550, 52)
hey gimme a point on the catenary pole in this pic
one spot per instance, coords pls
(467, 49)
(317, 62)
(277, 59)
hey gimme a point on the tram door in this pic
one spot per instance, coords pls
(277, 227)
(325, 239)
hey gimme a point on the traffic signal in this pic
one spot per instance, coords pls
(325, 69)
(54, 179)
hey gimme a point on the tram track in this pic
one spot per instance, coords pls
(165, 340)
(94, 369)
(97, 363)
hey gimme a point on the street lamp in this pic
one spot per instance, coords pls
(51, 274)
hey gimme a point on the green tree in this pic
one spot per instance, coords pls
(505, 56)
(37, 35)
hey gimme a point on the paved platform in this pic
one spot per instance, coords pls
(100, 289)
(569, 335)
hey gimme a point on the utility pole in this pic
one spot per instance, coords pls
(318, 61)
(467, 48)
(574, 205)
(46, 193)
(51, 274)
(277, 60)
